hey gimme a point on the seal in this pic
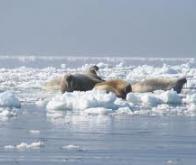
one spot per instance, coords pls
(151, 85)
(119, 87)
(70, 82)
(80, 82)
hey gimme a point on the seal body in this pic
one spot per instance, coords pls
(71, 82)
(80, 82)
(151, 85)
(119, 87)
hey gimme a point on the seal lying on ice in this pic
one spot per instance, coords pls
(151, 85)
(70, 82)
(119, 87)
(80, 82)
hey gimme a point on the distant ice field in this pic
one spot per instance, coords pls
(75, 62)
(95, 127)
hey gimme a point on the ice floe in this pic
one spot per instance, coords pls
(9, 105)
(101, 103)
(6, 113)
(25, 146)
(82, 100)
(9, 99)
(34, 131)
(72, 147)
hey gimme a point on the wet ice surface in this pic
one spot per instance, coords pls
(94, 127)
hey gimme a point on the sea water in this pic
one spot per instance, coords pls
(93, 127)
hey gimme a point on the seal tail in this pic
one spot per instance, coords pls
(179, 84)
(52, 85)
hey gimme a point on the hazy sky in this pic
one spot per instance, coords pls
(161, 28)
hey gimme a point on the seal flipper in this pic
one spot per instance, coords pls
(179, 84)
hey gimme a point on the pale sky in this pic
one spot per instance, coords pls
(146, 28)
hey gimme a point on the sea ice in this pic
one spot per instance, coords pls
(9, 147)
(6, 113)
(9, 99)
(34, 145)
(83, 100)
(170, 97)
(27, 82)
(34, 131)
(72, 147)
(23, 146)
